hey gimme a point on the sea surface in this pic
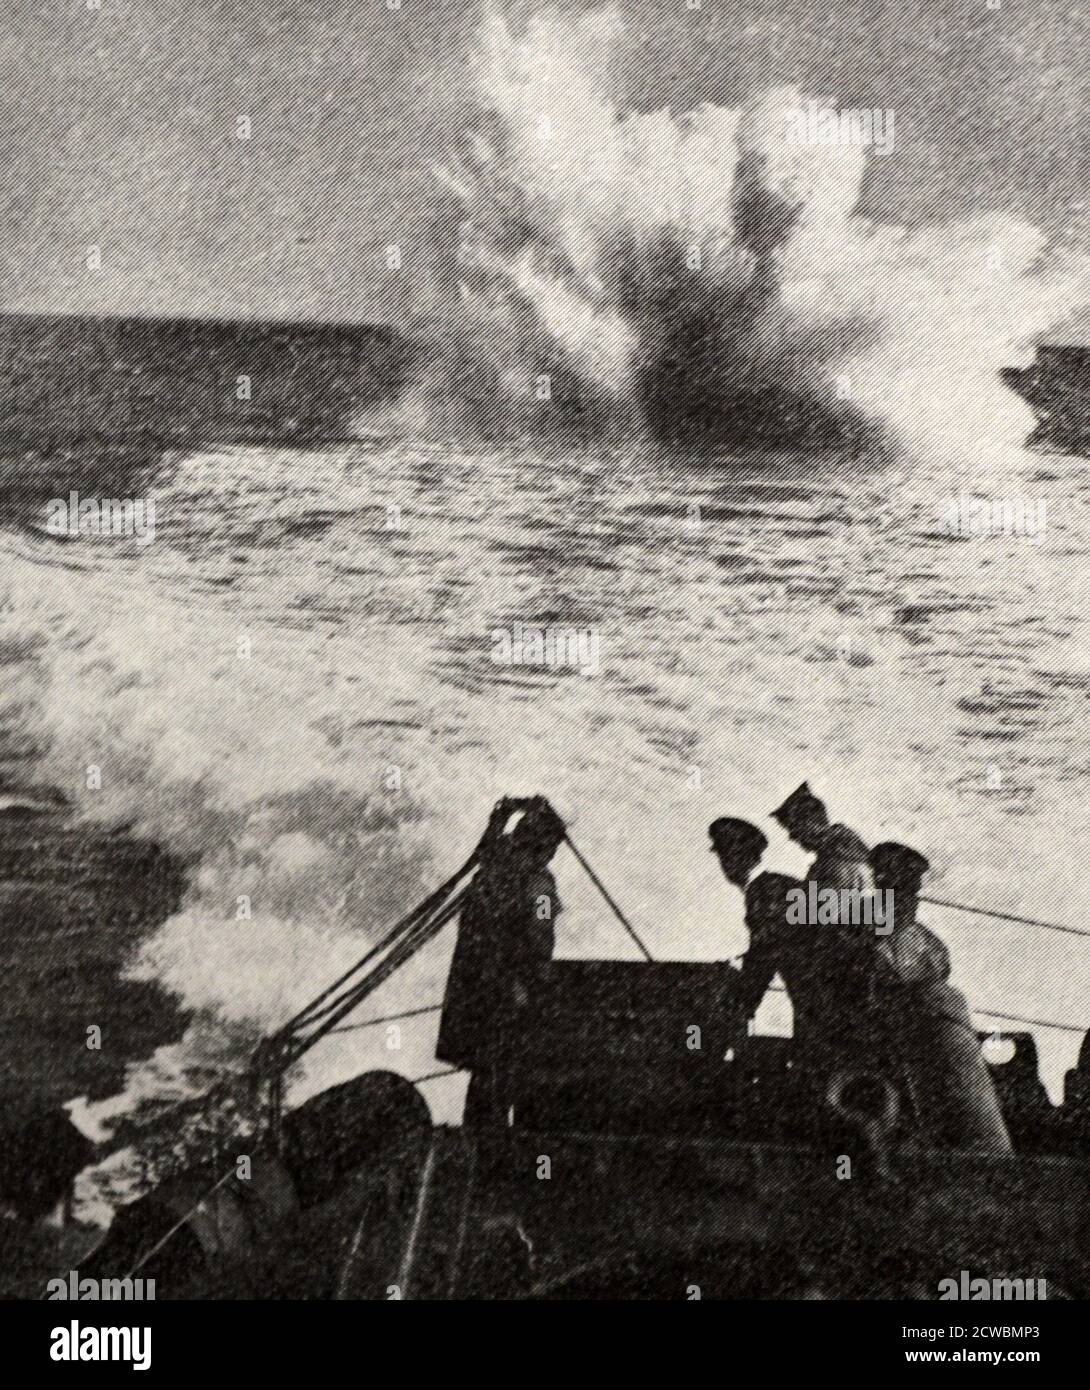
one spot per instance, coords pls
(235, 753)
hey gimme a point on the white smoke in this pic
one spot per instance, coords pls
(669, 265)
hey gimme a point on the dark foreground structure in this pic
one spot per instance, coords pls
(622, 1152)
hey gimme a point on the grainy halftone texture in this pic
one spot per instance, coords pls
(407, 405)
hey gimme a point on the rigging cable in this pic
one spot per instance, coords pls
(1007, 917)
(629, 928)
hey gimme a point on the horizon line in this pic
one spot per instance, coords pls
(371, 325)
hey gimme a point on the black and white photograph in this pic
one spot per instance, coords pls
(545, 635)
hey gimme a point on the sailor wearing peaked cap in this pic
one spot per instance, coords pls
(737, 840)
(819, 971)
(801, 802)
(898, 866)
(842, 859)
(915, 953)
(952, 1090)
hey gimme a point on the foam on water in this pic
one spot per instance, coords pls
(721, 652)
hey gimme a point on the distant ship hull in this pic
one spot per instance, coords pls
(1057, 388)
